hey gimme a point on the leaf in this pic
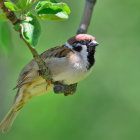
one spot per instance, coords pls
(47, 10)
(30, 29)
(62, 15)
(21, 4)
(11, 6)
(5, 38)
(25, 5)
(54, 1)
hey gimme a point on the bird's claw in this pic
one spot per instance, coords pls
(66, 89)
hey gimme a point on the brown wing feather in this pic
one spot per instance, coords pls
(30, 71)
(59, 51)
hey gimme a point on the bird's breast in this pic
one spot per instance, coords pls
(70, 69)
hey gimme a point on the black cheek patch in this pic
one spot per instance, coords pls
(90, 57)
(77, 48)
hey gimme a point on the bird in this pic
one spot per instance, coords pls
(68, 64)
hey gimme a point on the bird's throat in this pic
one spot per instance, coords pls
(90, 57)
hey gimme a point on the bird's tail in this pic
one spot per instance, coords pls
(7, 122)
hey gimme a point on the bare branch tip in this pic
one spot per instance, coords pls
(92, 1)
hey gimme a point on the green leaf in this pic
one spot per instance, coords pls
(25, 5)
(11, 6)
(47, 10)
(30, 29)
(62, 15)
(54, 1)
(5, 38)
(21, 4)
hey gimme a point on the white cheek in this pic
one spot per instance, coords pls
(84, 52)
(79, 61)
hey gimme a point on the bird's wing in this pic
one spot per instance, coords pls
(56, 52)
(28, 74)
(30, 71)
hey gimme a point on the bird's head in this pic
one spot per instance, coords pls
(82, 42)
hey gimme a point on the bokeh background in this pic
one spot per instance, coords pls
(106, 105)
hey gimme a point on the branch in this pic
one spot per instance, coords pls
(9, 14)
(44, 70)
(87, 14)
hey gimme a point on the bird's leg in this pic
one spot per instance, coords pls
(66, 89)
(70, 89)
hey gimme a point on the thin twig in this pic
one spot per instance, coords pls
(9, 14)
(44, 70)
(86, 18)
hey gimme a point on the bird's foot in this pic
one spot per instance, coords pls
(66, 89)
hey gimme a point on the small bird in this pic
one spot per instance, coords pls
(68, 64)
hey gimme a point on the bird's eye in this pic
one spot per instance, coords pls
(77, 47)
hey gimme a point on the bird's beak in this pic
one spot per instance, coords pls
(93, 43)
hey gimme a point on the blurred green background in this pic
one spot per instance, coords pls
(106, 105)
